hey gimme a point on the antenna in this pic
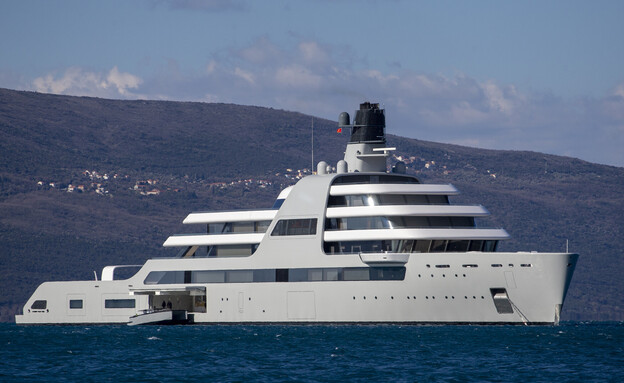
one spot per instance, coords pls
(567, 248)
(312, 165)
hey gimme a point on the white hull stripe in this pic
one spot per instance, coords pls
(393, 234)
(231, 216)
(407, 210)
(212, 240)
(338, 190)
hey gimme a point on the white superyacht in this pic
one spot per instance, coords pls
(354, 245)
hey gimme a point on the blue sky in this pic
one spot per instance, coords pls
(546, 76)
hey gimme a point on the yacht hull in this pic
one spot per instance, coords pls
(445, 288)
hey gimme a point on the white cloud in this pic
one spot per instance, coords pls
(298, 77)
(315, 79)
(618, 91)
(496, 99)
(211, 66)
(312, 52)
(122, 81)
(76, 81)
(380, 77)
(261, 52)
(245, 75)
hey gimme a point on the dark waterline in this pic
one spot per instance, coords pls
(571, 352)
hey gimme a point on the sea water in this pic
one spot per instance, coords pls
(570, 352)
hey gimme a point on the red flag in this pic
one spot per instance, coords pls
(339, 130)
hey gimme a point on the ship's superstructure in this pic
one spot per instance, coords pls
(358, 245)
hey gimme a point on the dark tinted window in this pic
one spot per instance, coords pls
(440, 221)
(462, 221)
(438, 199)
(475, 245)
(374, 179)
(39, 305)
(438, 246)
(306, 226)
(490, 246)
(119, 303)
(457, 246)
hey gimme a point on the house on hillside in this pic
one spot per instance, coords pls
(151, 192)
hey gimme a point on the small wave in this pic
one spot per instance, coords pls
(153, 338)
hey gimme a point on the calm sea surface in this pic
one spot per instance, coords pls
(571, 352)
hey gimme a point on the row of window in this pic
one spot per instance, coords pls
(398, 222)
(353, 247)
(238, 227)
(307, 226)
(349, 179)
(409, 246)
(276, 275)
(77, 304)
(386, 199)
(244, 250)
